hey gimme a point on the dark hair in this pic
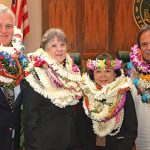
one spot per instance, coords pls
(103, 56)
(142, 30)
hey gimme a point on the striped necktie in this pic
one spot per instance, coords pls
(9, 93)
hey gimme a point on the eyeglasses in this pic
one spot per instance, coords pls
(7, 26)
(145, 44)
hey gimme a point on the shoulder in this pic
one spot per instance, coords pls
(129, 99)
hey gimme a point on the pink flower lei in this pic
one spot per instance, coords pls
(137, 60)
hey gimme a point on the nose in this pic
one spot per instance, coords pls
(59, 48)
(103, 74)
(148, 46)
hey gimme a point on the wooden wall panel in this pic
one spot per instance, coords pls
(125, 29)
(45, 15)
(92, 26)
(95, 27)
(62, 14)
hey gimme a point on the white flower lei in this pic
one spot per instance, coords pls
(98, 110)
(142, 85)
(105, 128)
(59, 96)
(17, 47)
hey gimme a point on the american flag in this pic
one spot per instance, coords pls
(19, 7)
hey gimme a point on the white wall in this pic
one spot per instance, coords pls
(33, 39)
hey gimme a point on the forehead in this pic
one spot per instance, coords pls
(56, 40)
(145, 36)
(104, 70)
(6, 18)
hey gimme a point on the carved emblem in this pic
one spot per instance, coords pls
(141, 12)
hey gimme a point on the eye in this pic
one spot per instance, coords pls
(97, 71)
(9, 26)
(144, 44)
(53, 45)
(63, 44)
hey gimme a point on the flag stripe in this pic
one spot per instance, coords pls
(19, 7)
(26, 30)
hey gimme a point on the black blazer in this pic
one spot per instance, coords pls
(124, 140)
(46, 126)
(10, 118)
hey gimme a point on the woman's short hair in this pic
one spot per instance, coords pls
(5, 9)
(103, 56)
(50, 35)
(142, 30)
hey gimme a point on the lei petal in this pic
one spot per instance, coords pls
(61, 85)
(12, 61)
(136, 58)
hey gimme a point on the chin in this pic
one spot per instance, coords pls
(5, 43)
(60, 61)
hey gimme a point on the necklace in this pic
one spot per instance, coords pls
(137, 60)
(12, 61)
(106, 106)
(61, 85)
(139, 71)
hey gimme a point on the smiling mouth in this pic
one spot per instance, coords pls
(147, 52)
(104, 81)
(59, 55)
(3, 35)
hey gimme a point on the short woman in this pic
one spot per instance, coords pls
(106, 118)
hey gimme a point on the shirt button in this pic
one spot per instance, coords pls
(10, 129)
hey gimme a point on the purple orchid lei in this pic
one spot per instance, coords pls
(137, 60)
(142, 66)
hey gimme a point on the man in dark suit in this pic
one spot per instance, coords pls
(10, 98)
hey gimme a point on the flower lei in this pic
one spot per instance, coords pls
(12, 61)
(106, 106)
(61, 85)
(137, 60)
(139, 71)
(102, 64)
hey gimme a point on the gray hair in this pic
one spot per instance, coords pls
(50, 35)
(5, 9)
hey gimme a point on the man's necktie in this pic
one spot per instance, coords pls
(9, 93)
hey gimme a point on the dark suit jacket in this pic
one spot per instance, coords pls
(10, 118)
(124, 140)
(46, 126)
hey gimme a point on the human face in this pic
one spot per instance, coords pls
(145, 45)
(57, 50)
(104, 76)
(6, 28)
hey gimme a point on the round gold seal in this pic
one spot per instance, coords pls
(141, 12)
